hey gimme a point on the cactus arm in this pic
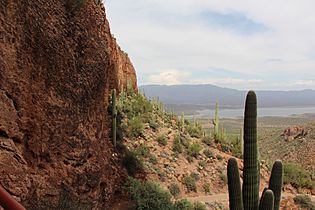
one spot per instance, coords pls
(234, 184)
(267, 200)
(275, 182)
(114, 117)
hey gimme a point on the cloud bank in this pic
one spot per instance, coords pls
(238, 44)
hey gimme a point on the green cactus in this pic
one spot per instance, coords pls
(251, 175)
(114, 117)
(182, 122)
(235, 193)
(267, 200)
(216, 119)
(275, 182)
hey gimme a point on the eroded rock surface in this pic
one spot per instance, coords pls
(58, 64)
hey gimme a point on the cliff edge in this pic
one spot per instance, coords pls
(58, 64)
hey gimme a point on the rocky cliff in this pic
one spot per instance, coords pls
(58, 64)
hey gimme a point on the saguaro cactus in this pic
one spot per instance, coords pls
(216, 119)
(267, 200)
(250, 176)
(235, 192)
(271, 196)
(114, 117)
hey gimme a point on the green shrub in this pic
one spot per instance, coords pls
(304, 201)
(236, 147)
(162, 140)
(132, 163)
(208, 153)
(202, 163)
(136, 126)
(195, 131)
(162, 175)
(199, 206)
(148, 195)
(174, 190)
(183, 205)
(190, 183)
(225, 147)
(207, 140)
(185, 141)
(153, 159)
(195, 176)
(190, 159)
(177, 146)
(297, 176)
(194, 149)
(223, 177)
(153, 124)
(219, 157)
(206, 187)
(142, 151)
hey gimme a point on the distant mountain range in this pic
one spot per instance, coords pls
(205, 96)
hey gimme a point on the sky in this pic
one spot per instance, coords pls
(242, 44)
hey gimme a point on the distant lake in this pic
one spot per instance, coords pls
(262, 112)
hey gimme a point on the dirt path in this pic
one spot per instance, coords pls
(223, 198)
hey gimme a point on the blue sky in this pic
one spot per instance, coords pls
(239, 44)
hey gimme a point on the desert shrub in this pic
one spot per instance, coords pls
(190, 183)
(162, 140)
(219, 157)
(174, 190)
(297, 176)
(153, 159)
(183, 205)
(190, 159)
(223, 177)
(177, 146)
(304, 201)
(202, 163)
(142, 151)
(162, 175)
(236, 147)
(206, 187)
(186, 141)
(136, 126)
(208, 153)
(207, 140)
(199, 206)
(195, 175)
(194, 130)
(148, 195)
(153, 124)
(225, 147)
(194, 149)
(132, 163)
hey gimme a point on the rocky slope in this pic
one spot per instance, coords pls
(58, 63)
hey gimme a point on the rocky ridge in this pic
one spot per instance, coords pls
(58, 64)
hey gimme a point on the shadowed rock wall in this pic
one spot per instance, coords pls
(58, 64)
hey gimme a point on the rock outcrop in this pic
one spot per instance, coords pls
(58, 64)
(294, 132)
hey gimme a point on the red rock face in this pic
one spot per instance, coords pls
(58, 64)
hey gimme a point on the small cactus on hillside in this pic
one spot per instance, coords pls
(216, 119)
(114, 117)
(249, 199)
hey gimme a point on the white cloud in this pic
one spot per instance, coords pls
(168, 77)
(163, 34)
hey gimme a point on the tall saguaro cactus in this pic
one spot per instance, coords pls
(250, 176)
(114, 117)
(249, 198)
